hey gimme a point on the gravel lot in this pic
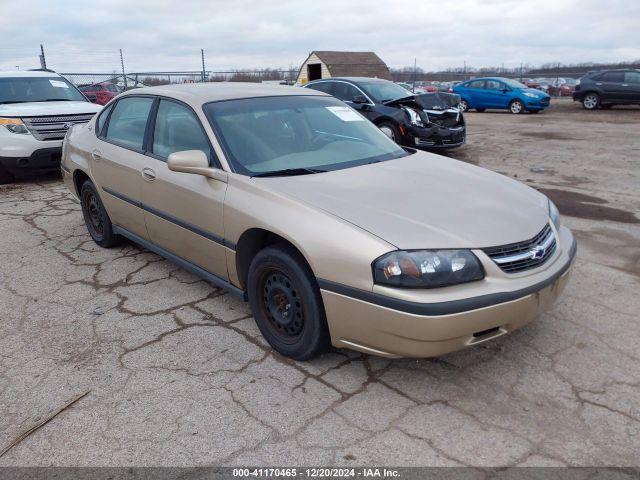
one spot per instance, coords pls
(179, 374)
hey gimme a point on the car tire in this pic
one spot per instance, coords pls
(390, 130)
(480, 110)
(5, 176)
(516, 107)
(286, 303)
(464, 105)
(96, 218)
(591, 101)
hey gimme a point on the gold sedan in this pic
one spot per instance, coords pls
(293, 201)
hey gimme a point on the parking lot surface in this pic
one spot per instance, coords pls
(179, 375)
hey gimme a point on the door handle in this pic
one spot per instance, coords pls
(96, 155)
(625, 84)
(148, 174)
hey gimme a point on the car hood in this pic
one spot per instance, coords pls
(424, 201)
(535, 91)
(33, 109)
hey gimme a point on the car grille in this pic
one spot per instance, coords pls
(544, 101)
(445, 119)
(54, 128)
(521, 256)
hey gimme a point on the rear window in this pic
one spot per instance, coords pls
(128, 122)
(611, 77)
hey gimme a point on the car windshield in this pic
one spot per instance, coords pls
(513, 83)
(382, 91)
(296, 135)
(37, 89)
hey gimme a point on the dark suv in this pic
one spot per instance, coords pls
(606, 88)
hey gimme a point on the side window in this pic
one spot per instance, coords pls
(128, 122)
(493, 85)
(345, 91)
(322, 87)
(102, 119)
(476, 84)
(177, 129)
(611, 77)
(631, 77)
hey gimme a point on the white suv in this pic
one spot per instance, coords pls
(36, 110)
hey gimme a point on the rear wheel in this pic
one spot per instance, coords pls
(464, 105)
(286, 303)
(5, 175)
(390, 130)
(96, 218)
(591, 101)
(516, 107)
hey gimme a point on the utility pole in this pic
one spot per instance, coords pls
(124, 76)
(415, 71)
(43, 60)
(203, 71)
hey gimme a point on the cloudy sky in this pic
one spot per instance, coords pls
(168, 35)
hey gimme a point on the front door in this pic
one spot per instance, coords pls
(496, 94)
(632, 86)
(183, 212)
(611, 85)
(117, 160)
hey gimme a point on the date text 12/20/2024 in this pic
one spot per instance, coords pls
(317, 472)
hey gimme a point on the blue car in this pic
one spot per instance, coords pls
(501, 93)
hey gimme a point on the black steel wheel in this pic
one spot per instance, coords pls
(286, 303)
(96, 218)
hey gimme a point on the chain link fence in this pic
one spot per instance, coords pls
(139, 79)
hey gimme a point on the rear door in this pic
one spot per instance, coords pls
(183, 212)
(476, 93)
(610, 84)
(117, 160)
(632, 86)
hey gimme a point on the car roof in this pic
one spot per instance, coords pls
(28, 73)
(199, 93)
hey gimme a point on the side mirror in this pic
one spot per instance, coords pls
(196, 162)
(92, 97)
(360, 99)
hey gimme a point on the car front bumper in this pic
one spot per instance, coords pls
(43, 160)
(435, 136)
(390, 329)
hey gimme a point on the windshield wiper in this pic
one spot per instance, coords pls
(55, 100)
(13, 101)
(289, 172)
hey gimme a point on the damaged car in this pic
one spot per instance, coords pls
(425, 121)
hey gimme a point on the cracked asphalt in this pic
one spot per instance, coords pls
(179, 374)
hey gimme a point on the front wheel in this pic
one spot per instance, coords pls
(390, 130)
(591, 101)
(286, 303)
(516, 107)
(96, 218)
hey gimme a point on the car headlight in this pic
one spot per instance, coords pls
(14, 125)
(529, 94)
(414, 117)
(427, 268)
(554, 215)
